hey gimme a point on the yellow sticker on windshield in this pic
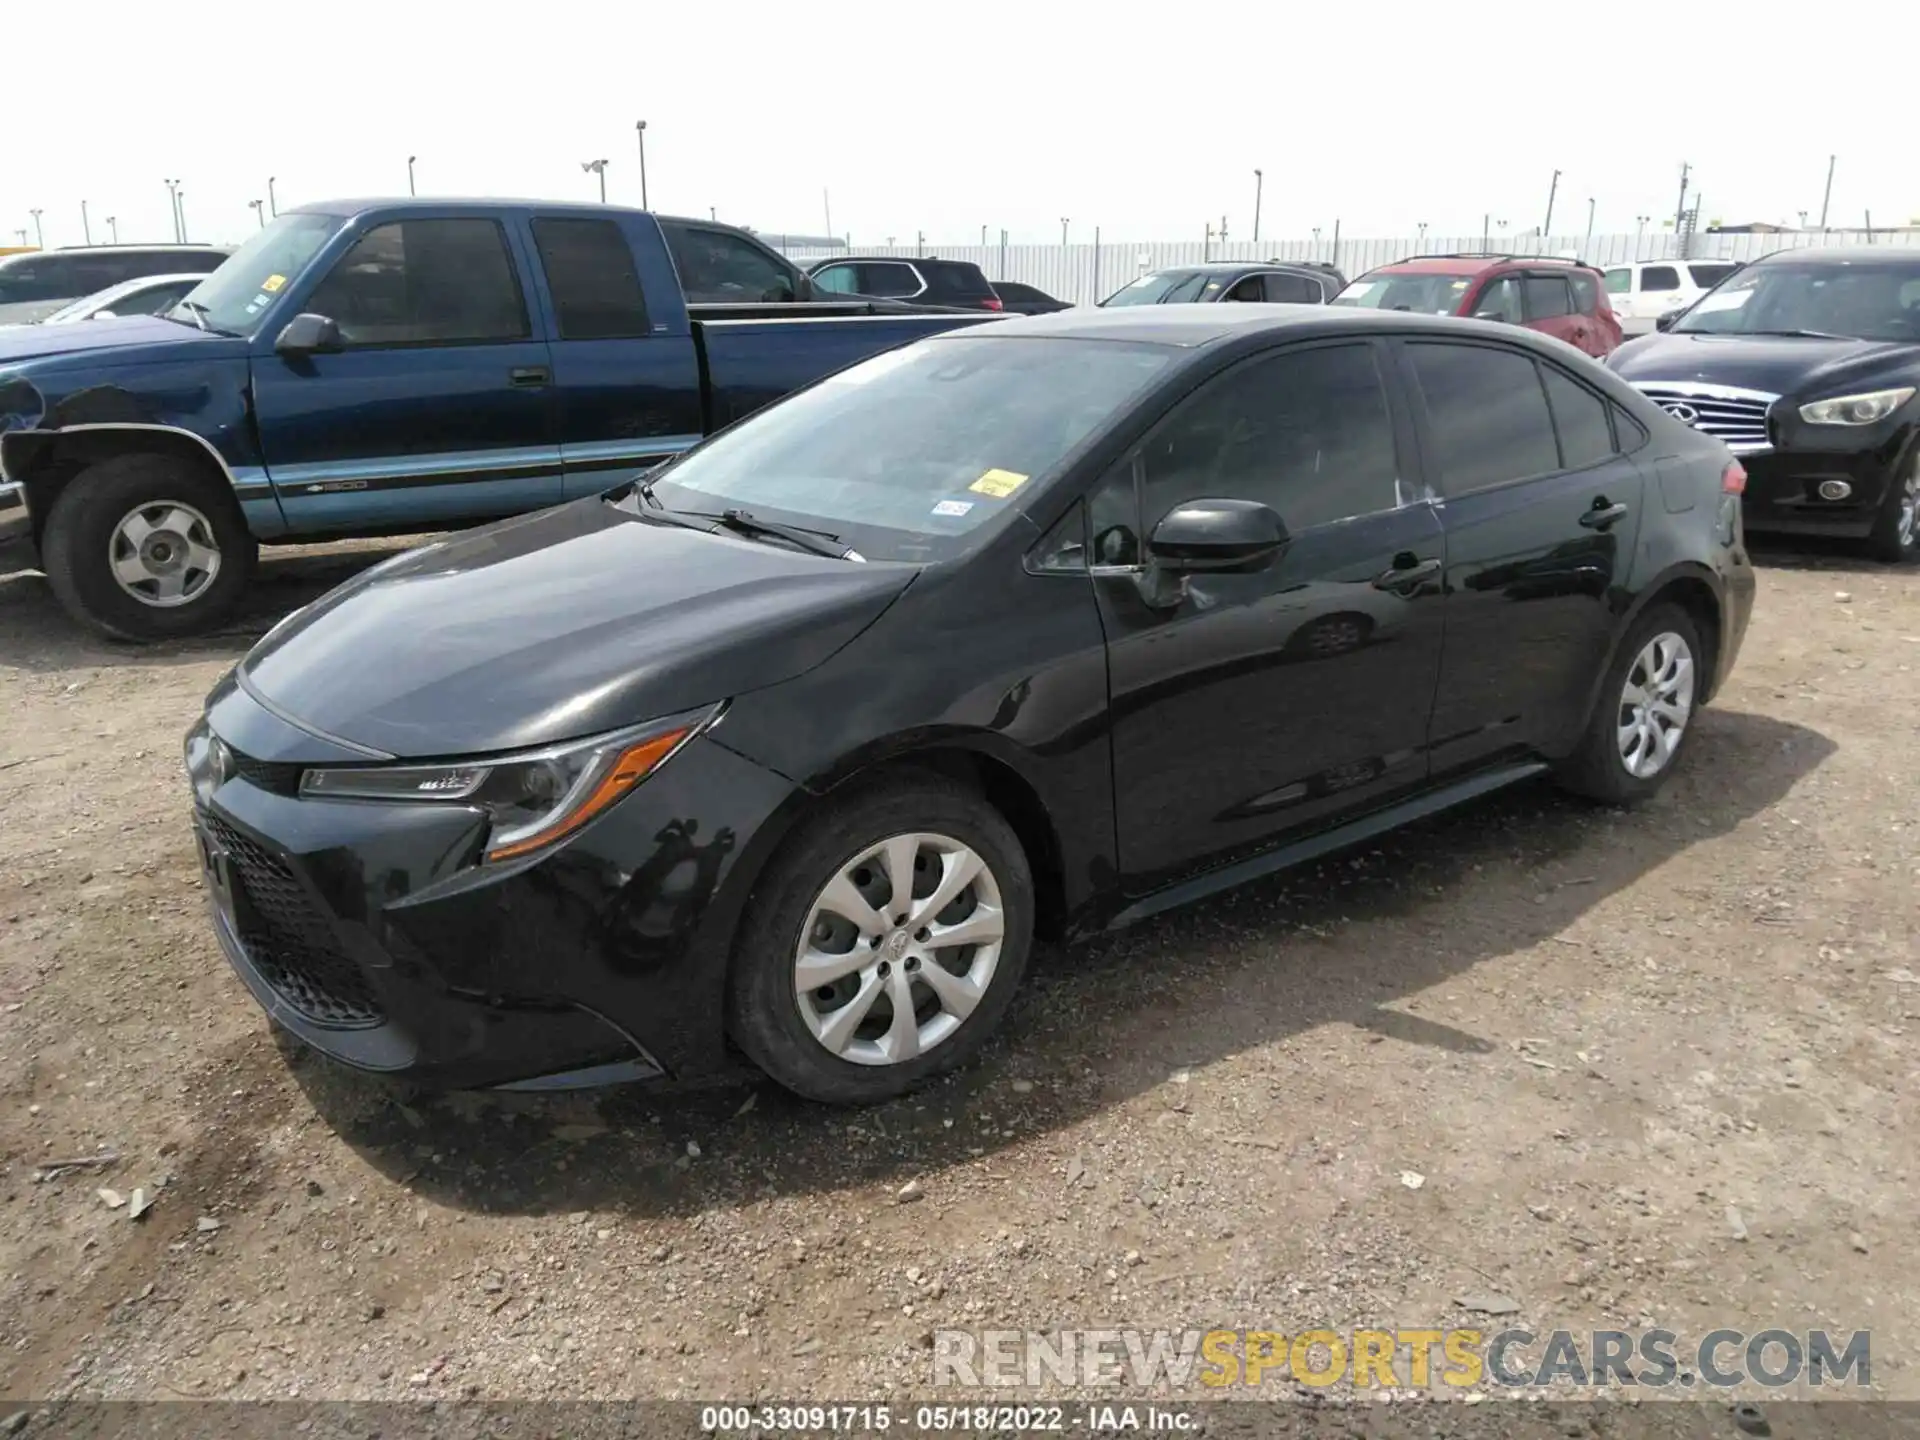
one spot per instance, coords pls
(273, 283)
(998, 483)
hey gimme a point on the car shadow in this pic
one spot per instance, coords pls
(1101, 1021)
(36, 634)
(1815, 552)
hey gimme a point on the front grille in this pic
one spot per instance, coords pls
(1737, 417)
(289, 941)
(281, 779)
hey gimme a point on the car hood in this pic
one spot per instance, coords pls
(1776, 364)
(127, 332)
(556, 625)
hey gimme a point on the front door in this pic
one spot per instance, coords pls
(1541, 514)
(437, 410)
(1248, 706)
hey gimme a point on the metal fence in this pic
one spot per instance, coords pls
(1085, 274)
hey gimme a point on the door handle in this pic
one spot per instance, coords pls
(1602, 515)
(530, 377)
(1404, 575)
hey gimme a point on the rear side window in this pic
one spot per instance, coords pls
(1659, 277)
(1293, 290)
(1580, 417)
(890, 280)
(426, 282)
(1547, 297)
(1708, 276)
(1586, 293)
(1486, 415)
(591, 275)
(49, 277)
(957, 278)
(719, 267)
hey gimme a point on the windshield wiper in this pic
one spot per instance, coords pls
(819, 542)
(1801, 334)
(199, 313)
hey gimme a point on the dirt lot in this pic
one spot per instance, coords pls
(1649, 1068)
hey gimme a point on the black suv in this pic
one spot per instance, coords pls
(922, 279)
(1807, 364)
(1270, 282)
(38, 282)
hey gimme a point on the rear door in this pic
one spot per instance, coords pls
(1541, 512)
(626, 382)
(1549, 306)
(1660, 290)
(438, 409)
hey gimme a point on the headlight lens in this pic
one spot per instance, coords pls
(1856, 409)
(532, 799)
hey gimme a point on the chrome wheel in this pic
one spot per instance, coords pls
(899, 948)
(1909, 505)
(1655, 705)
(163, 554)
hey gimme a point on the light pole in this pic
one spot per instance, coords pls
(640, 131)
(1588, 245)
(39, 235)
(259, 211)
(1421, 243)
(173, 205)
(1827, 197)
(180, 209)
(1063, 232)
(1546, 229)
(410, 160)
(273, 205)
(113, 228)
(597, 167)
(86, 228)
(1259, 180)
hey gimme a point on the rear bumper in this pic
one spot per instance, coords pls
(1783, 491)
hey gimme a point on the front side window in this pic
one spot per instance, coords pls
(1867, 300)
(592, 277)
(720, 268)
(1248, 290)
(1547, 297)
(908, 454)
(235, 296)
(1659, 277)
(425, 282)
(1500, 300)
(1486, 415)
(1304, 432)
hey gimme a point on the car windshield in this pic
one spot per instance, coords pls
(233, 297)
(1867, 300)
(1423, 294)
(1162, 287)
(907, 455)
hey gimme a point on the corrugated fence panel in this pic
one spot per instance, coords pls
(1085, 274)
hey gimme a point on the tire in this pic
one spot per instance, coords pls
(1895, 537)
(1599, 768)
(874, 1060)
(187, 515)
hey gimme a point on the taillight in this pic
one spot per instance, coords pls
(1733, 480)
(992, 302)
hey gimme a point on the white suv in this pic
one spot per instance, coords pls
(1642, 292)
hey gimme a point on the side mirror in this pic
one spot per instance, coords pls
(102, 315)
(1494, 315)
(1220, 536)
(309, 335)
(1665, 322)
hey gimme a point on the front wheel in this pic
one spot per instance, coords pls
(1894, 537)
(1645, 712)
(884, 944)
(147, 547)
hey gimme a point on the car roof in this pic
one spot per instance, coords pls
(1194, 325)
(1236, 267)
(1840, 255)
(897, 259)
(111, 250)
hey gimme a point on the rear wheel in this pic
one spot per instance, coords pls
(1645, 713)
(885, 943)
(1894, 537)
(147, 547)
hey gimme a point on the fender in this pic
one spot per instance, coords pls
(1656, 589)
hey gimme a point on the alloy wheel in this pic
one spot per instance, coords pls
(899, 948)
(1655, 704)
(163, 554)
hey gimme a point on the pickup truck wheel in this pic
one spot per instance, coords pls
(884, 943)
(146, 547)
(1896, 530)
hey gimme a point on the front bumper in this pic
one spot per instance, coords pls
(1783, 491)
(368, 930)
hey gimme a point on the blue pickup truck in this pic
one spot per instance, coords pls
(385, 367)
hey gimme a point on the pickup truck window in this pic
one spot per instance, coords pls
(591, 275)
(719, 268)
(425, 282)
(905, 454)
(233, 297)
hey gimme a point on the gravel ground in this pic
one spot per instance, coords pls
(1615, 1069)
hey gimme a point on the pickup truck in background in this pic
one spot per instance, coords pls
(367, 368)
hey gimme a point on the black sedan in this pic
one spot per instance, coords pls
(1268, 282)
(1032, 629)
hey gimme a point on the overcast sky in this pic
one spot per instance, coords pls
(1147, 120)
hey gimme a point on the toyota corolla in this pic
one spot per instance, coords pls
(790, 750)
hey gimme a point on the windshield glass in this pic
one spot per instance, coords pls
(906, 455)
(1872, 300)
(1162, 287)
(232, 297)
(1422, 294)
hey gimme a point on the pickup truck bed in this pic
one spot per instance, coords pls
(382, 367)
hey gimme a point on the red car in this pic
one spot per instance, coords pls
(1559, 297)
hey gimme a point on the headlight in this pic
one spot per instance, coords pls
(1856, 409)
(534, 798)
